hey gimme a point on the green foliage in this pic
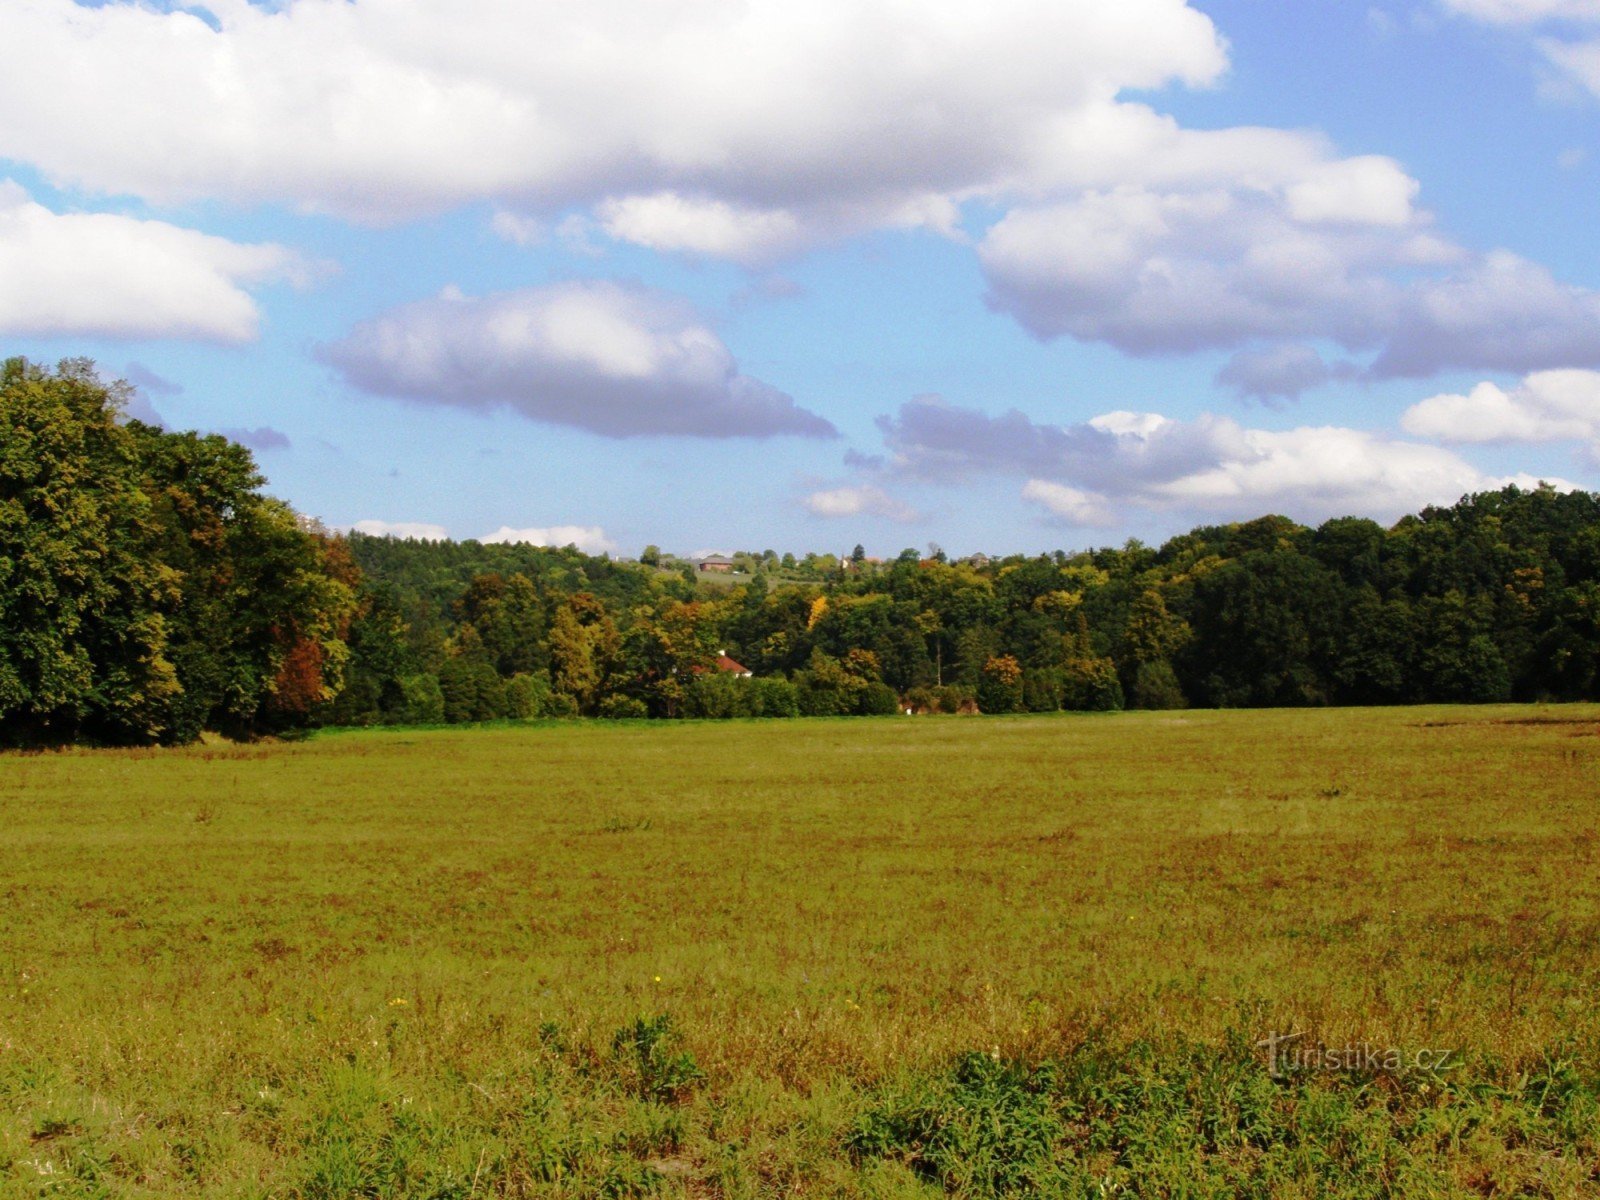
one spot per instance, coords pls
(421, 701)
(526, 696)
(717, 696)
(472, 690)
(623, 708)
(1155, 685)
(1000, 685)
(655, 1068)
(148, 591)
(773, 697)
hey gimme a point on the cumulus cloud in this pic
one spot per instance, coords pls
(379, 110)
(591, 539)
(1177, 272)
(750, 131)
(402, 529)
(103, 275)
(1069, 505)
(1081, 473)
(858, 501)
(614, 359)
(1549, 406)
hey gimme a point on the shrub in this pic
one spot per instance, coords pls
(877, 700)
(526, 696)
(1155, 685)
(421, 701)
(560, 705)
(1091, 685)
(623, 708)
(1041, 691)
(717, 696)
(1000, 685)
(473, 691)
(774, 697)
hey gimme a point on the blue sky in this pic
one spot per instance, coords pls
(723, 274)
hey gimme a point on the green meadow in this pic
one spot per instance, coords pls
(854, 958)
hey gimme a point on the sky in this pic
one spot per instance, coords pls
(1009, 275)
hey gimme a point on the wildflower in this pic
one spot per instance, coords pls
(398, 1002)
(658, 979)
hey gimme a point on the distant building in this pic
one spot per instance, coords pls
(729, 667)
(715, 564)
(977, 560)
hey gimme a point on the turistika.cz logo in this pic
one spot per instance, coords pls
(1289, 1054)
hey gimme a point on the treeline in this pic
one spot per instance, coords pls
(1495, 598)
(148, 591)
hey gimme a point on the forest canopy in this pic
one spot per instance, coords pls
(150, 591)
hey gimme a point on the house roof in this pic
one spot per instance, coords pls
(716, 558)
(724, 663)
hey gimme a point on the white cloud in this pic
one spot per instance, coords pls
(668, 221)
(1549, 406)
(618, 360)
(1580, 60)
(379, 110)
(857, 501)
(754, 129)
(591, 539)
(1358, 191)
(1178, 272)
(1574, 56)
(98, 274)
(1525, 12)
(1069, 505)
(517, 229)
(1210, 465)
(402, 529)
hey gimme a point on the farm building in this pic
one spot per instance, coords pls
(716, 563)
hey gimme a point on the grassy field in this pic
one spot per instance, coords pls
(845, 958)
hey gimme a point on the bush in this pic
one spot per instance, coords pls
(560, 705)
(774, 697)
(1091, 685)
(473, 691)
(717, 696)
(819, 699)
(878, 700)
(421, 701)
(623, 708)
(1000, 685)
(526, 696)
(1155, 685)
(1041, 691)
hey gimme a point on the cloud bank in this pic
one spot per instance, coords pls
(1083, 474)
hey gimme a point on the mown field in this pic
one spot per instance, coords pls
(824, 958)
